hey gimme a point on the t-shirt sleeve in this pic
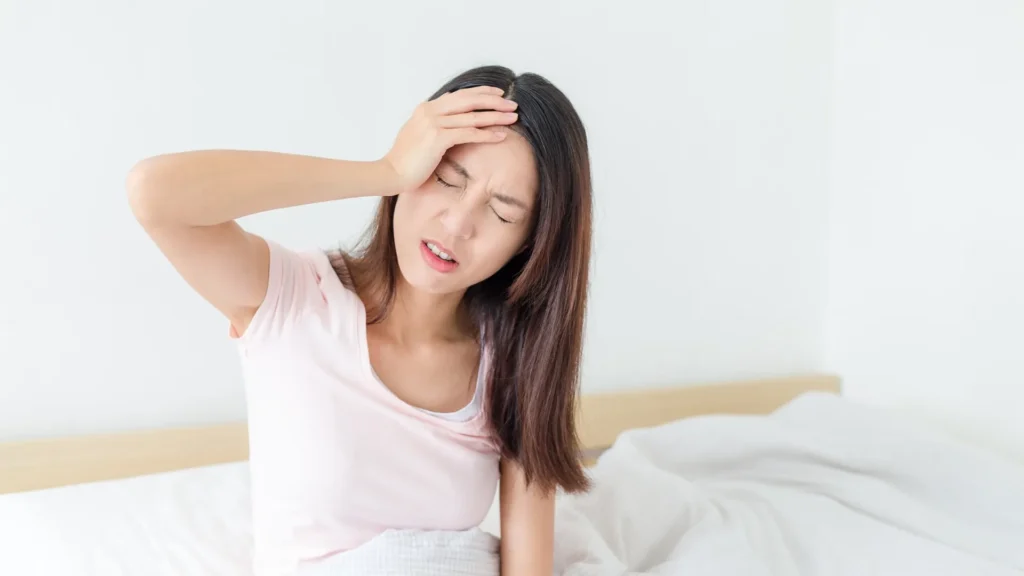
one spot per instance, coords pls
(293, 289)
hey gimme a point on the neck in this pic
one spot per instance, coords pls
(418, 316)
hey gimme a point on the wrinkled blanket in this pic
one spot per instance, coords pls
(416, 553)
(821, 487)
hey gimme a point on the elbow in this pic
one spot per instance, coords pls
(144, 191)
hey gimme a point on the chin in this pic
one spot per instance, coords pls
(426, 280)
(436, 288)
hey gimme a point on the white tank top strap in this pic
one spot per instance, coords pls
(469, 411)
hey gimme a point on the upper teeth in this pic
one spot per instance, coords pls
(442, 255)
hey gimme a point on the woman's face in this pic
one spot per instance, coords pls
(468, 219)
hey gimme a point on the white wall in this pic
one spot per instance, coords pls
(706, 123)
(926, 269)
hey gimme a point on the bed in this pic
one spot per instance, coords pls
(724, 478)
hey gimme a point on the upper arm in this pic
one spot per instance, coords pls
(527, 524)
(226, 265)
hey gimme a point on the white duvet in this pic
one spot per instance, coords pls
(821, 487)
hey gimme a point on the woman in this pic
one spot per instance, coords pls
(393, 387)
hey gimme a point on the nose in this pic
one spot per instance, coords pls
(458, 219)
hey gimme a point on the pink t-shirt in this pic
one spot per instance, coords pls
(335, 457)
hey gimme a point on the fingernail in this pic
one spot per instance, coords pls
(513, 103)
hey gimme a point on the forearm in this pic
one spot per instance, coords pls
(527, 525)
(209, 187)
(527, 563)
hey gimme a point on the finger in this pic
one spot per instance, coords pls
(457, 136)
(478, 119)
(469, 101)
(464, 92)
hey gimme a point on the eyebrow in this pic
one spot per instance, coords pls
(511, 200)
(458, 168)
(503, 198)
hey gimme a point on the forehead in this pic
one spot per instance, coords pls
(507, 167)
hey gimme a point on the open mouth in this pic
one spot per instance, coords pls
(437, 256)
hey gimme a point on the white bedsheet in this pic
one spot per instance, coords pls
(189, 522)
(822, 487)
(185, 523)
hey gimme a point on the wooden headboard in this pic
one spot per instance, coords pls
(47, 463)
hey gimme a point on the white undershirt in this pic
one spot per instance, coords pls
(467, 412)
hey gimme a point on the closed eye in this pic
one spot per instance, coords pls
(500, 218)
(443, 182)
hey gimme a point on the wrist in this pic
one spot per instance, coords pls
(353, 179)
(384, 180)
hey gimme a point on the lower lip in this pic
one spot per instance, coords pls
(435, 261)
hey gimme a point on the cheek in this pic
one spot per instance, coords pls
(498, 250)
(410, 212)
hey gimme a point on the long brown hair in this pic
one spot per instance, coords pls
(532, 310)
